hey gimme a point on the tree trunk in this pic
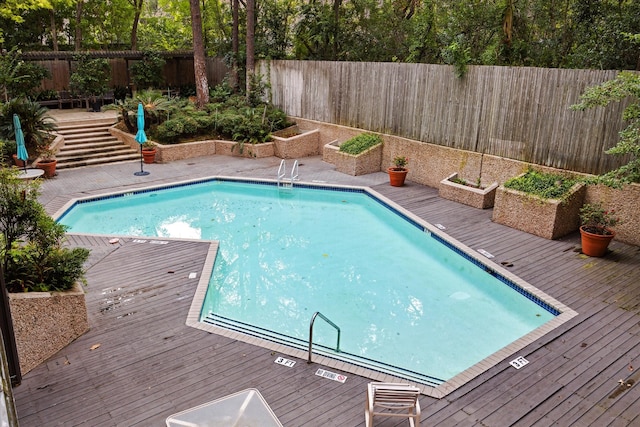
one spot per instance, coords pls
(199, 62)
(78, 40)
(54, 32)
(235, 45)
(250, 44)
(137, 5)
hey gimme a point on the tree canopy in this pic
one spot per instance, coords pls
(562, 33)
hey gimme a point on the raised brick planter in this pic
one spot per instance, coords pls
(368, 161)
(292, 143)
(548, 218)
(46, 322)
(481, 198)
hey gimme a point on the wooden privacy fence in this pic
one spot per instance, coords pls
(176, 72)
(514, 112)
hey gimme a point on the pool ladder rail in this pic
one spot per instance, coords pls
(283, 181)
(323, 317)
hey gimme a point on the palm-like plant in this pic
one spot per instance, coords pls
(34, 119)
(123, 107)
(154, 104)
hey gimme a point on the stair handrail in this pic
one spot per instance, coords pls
(323, 317)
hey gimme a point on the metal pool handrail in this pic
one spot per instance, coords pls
(313, 319)
(282, 171)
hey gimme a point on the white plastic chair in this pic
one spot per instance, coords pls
(392, 400)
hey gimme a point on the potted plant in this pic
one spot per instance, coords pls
(9, 149)
(595, 231)
(47, 161)
(398, 172)
(149, 152)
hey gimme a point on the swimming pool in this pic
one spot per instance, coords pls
(401, 325)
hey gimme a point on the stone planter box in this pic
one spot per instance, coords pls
(548, 218)
(188, 150)
(481, 198)
(46, 322)
(368, 161)
(292, 143)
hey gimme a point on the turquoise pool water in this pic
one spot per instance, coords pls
(403, 298)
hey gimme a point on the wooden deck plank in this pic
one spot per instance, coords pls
(581, 386)
(150, 364)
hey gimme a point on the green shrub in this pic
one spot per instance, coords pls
(545, 185)
(147, 73)
(9, 148)
(46, 95)
(169, 131)
(33, 255)
(204, 121)
(91, 76)
(169, 121)
(32, 268)
(257, 91)
(187, 90)
(190, 126)
(277, 119)
(360, 143)
(221, 92)
(120, 93)
(34, 121)
(67, 267)
(29, 76)
(244, 125)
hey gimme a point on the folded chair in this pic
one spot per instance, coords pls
(392, 400)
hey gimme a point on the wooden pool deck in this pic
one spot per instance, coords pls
(140, 363)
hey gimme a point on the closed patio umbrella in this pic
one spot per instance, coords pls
(141, 137)
(22, 149)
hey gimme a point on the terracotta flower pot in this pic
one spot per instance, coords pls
(17, 161)
(594, 244)
(397, 176)
(148, 156)
(48, 166)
